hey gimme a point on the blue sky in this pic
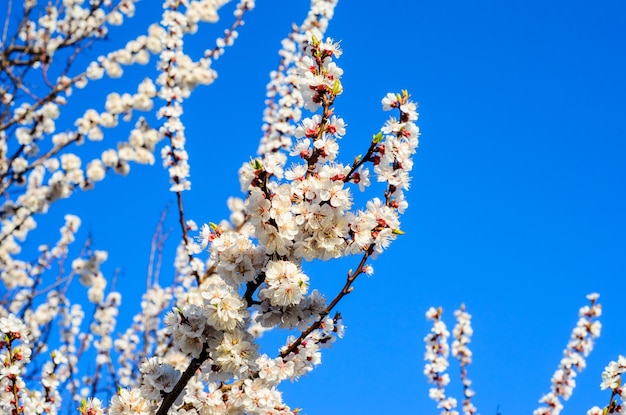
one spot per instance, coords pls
(516, 207)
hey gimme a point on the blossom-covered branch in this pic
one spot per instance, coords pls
(573, 362)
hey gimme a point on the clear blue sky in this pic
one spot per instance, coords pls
(516, 208)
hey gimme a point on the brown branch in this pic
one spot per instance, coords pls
(251, 287)
(347, 289)
(194, 365)
(362, 160)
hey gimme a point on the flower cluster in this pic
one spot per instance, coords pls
(612, 379)
(286, 284)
